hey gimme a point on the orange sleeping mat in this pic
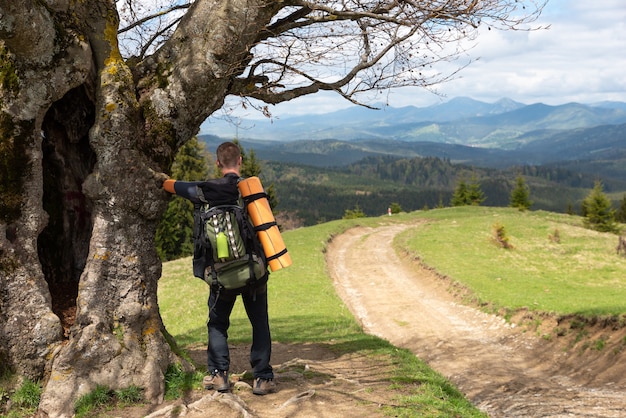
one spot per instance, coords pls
(264, 223)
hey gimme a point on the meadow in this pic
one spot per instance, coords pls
(554, 265)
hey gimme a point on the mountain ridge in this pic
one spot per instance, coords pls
(449, 122)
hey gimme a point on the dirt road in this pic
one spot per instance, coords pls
(505, 372)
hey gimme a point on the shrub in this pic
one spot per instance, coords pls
(500, 236)
(555, 236)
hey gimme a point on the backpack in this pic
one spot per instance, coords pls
(227, 252)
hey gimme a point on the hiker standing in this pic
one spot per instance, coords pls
(221, 301)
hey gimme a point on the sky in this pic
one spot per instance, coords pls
(580, 58)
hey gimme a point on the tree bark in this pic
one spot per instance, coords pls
(29, 330)
(95, 131)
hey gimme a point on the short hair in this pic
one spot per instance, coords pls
(228, 154)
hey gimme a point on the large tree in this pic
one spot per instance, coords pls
(87, 132)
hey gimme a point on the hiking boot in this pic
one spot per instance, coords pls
(218, 380)
(263, 386)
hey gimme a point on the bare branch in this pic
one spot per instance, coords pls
(155, 36)
(355, 46)
(153, 16)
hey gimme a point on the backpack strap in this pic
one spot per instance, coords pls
(199, 249)
(230, 234)
(251, 243)
(203, 247)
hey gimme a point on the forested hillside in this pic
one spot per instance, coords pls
(373, 184)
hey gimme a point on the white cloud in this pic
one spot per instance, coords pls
(580, 58)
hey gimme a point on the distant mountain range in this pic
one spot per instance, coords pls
(505, 124)
(463, 130)
(561, 149)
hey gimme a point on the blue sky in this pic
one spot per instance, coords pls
(581, 58)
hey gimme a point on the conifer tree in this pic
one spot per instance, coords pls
(250, 166)
(395, 208)
(355, 213)
(475, 195)
(620, 216)
(440, 202)
(459, 198)
(599, 213)
(174, 235)
(520, 196)
(468, 194)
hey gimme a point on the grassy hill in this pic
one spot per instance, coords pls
(550, 251)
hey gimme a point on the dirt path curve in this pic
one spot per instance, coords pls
(504, 372)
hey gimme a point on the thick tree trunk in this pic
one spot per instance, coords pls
(118, 339)
(83, 143)
(29, 331)
(77, 230)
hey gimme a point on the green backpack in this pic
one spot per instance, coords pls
(228, 253)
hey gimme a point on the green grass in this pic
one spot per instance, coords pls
(24, 400)
(178, 382)
(555, 265)
(580, 273)
(102, 398)
(97, 398)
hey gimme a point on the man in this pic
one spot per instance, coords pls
(221, 301)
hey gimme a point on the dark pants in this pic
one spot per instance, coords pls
(220, 307)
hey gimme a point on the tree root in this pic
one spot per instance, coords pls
(298, 398)
(234, 402)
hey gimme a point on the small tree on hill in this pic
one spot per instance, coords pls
(520, 196)
(440, 202)
(459, 198)
(475, 195)
(465, 195)
(357, 212)
(620, 215)
(395, 208)
(500, 236)
(597, 210)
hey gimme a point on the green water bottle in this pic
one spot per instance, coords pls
(222, 245)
